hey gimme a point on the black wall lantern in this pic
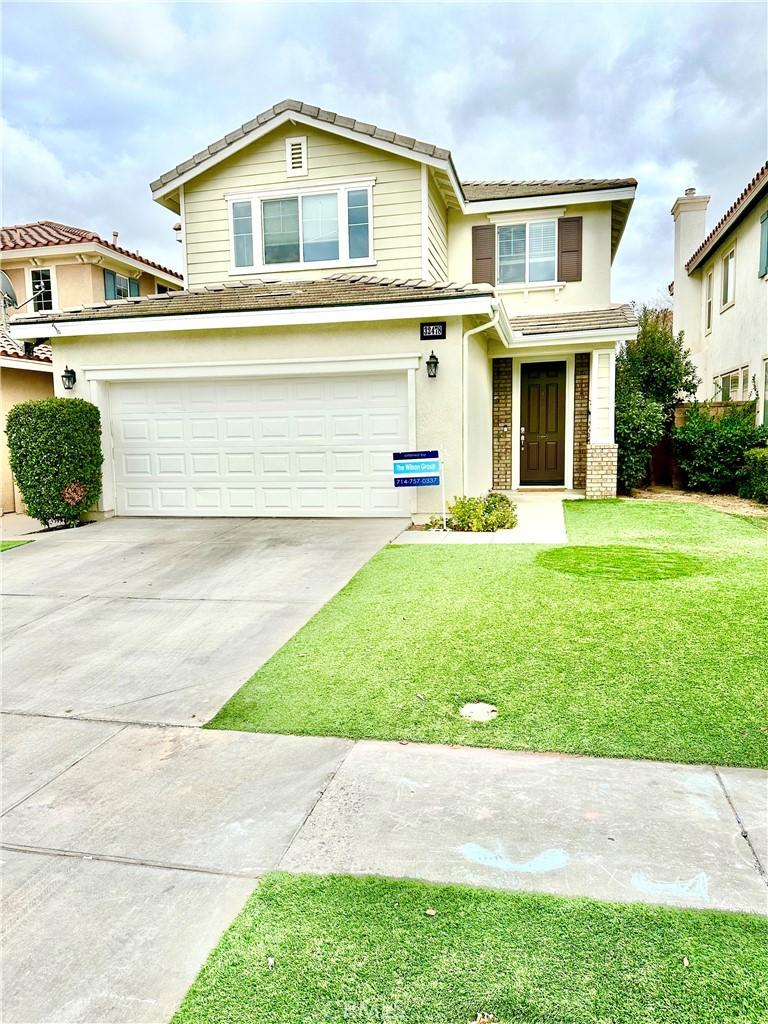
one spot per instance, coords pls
(68, 378)
(432, 364)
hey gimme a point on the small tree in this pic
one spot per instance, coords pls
(55, 455)
(658, 363)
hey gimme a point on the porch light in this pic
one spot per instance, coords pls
(432, 364)
(68, 378)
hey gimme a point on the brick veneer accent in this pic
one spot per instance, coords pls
(502, 417)
(580, 419)
(601, 470)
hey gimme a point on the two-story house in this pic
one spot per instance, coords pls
(50, 267)
(348, 296)
(720, 293)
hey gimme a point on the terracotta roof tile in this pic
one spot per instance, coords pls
(40, 352)
(42, 233)
(477, 191)
(608, 318)
(236, 297)
(731, 217)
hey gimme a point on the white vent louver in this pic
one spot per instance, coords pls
(296, 157)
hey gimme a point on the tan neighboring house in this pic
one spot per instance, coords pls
(720, 293)
(349, 296)
(52, 266)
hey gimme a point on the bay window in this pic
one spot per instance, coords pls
(322, 226)
(527, 253)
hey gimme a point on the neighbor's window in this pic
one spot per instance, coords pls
(733, 385)
(708, 300)
(765, 393)
(42, 289)
(745, 383)
(304, 229)
(527, 252)
(763, 265)
(118, 286)
(729, 277)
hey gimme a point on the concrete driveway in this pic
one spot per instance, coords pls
(161, 620)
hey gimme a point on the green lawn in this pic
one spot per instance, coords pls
(363, 950)
(647, 637)
(6, 545)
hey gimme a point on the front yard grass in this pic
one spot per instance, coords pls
(357, 950)
(647, 637)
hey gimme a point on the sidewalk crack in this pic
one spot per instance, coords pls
(742, 828)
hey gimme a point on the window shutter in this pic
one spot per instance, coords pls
(133, 286)
(484, 254)
(569, 248)
(763, 245)
(110, 288)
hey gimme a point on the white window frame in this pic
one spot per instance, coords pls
(737, 394)
(709, 300)
(302, 171)
(527, 283)
(340, 189)
(727, 303)
(54, 289)
(765, 392)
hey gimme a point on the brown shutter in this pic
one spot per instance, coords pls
(484, 254)
(569, 249)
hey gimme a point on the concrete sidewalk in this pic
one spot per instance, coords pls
(540, 520)
(128, 849)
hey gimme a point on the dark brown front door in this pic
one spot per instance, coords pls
(542, 423)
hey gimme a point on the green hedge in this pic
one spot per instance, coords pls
(55, 454)
(756, 482)
(712, 451)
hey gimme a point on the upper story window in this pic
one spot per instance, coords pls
(527, 253)
(41, 279)
(710, 287)
(729, 279)
(119, 286)
(762, 269)
(323, 227)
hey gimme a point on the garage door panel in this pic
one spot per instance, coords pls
(319, 446)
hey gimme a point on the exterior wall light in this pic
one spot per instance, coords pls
(68, 378)
(432, 364)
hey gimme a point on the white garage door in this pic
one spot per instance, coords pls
(319, 446)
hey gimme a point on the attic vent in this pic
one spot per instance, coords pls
(296, 157)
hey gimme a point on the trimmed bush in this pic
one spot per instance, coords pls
(479, 515)
(712, 451)
(756, 470)
(639, 428)
(55, 450)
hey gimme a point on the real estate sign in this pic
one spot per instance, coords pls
(419, 469)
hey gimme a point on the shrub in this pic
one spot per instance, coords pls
(55, 454)
(756, 472)
(479, 515)
(656, 361)
(712, 451)
(639, 428)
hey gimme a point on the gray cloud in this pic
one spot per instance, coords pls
(674, 94)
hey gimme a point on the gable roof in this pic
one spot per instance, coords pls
(733, 215)
(42, 233)
(477, 191)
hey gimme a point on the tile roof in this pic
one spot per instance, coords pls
(41, 353)
(319, 115)
(477, 191)
(608, 318)
(238, 297)
(731, 217)
(42, 233)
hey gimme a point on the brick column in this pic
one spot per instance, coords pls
(601, 470)
(502, 418)
(580, 419)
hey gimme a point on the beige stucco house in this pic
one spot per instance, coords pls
(52, 266)
(325, 261)
(720, 292)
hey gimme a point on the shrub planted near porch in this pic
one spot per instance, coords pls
(479, 515)
(756, 473)
(712, 451)
(55, 454)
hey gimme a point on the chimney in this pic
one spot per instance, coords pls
(690, 215)
(114, 237)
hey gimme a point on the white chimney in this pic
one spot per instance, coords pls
(114, 237)
(690, 214)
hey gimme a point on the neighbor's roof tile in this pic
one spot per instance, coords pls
(730, 218)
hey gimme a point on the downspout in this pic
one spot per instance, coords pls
(493, 322)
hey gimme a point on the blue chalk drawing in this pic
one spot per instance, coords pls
(692, 888)
(547, 860)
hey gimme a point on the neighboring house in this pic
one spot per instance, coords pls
(52, 266)
(326, 260)
(720, 293)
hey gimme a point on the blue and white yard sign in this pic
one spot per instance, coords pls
(419, 469)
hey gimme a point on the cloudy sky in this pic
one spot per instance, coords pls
(100, 98)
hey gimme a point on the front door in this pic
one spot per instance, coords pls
(542, 423)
